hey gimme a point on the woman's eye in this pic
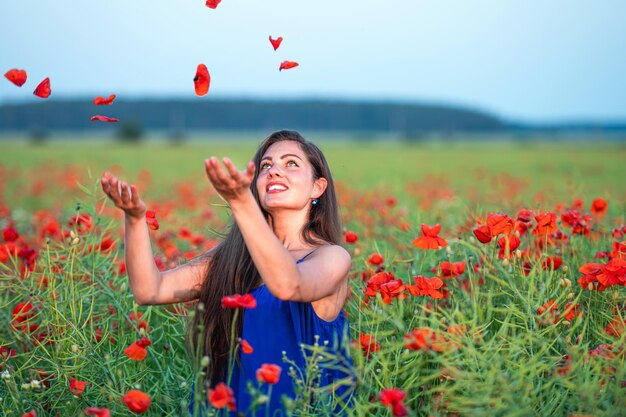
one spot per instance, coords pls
(292, 164)
(265, 165)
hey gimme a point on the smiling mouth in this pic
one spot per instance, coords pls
(276, 188)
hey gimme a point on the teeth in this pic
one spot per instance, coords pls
(277, 187)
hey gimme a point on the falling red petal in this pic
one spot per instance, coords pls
(287, 65)
(276, 42)
(43, 89)
(101, 101)
(16, 76)
(202, 80)
(212, 4)
(104, 119)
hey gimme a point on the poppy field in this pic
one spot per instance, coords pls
(487, 279)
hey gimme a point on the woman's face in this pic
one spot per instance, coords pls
(286, 178)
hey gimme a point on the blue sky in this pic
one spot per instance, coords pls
(532, 60)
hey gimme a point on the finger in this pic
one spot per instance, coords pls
(134, 195)
(219, 172)
(250, 171)
(114, 193)
(124, 193)
(209, 165)
(234, 173)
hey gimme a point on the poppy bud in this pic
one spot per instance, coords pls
(561, 282)
(565, 323)
(204, 362)
(565, 268)
(75, 241)
(505, 262)
(567, 282)
(570, 296)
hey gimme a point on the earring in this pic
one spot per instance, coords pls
(314, 202)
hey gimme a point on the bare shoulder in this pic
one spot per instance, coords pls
(334, 255)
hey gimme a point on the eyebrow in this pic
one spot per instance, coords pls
(282, 157)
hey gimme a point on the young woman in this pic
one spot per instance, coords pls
(283, 248)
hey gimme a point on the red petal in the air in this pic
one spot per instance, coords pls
(43, 89)
(287, 65)
(104, 119)
(101, 101)
(202, 80)
(276, 42)
(212, 4)
(17, 76)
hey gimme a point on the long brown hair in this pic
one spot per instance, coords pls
(231, 269)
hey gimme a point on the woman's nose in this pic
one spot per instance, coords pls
(274, 171)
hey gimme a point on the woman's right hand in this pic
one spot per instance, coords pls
(124, 197)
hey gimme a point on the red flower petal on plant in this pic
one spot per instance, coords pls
(268, 373)
(599, 206)
(212, 4)
(31, 413)
(202, 80)
(77, 387)
(246, 348)
(137, 401)
(276, 42)
(350, 237)
(101, 101)
(43, 89)
(103, 119)
(98, 412)
(222, 396)
(287, 65)
(239, 301)
(16, 76)
(483, 234)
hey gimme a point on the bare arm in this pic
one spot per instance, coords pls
(316, 278)
(148, 284)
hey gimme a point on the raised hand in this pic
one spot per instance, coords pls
(124, 197)
(231, 184)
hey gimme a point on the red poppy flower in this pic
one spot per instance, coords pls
(368, 344)
(212, 4)
(202, 80)
(43, 89)
(137, 401)
(137, 350)
(222, 396)
(82, 222)
(424, 339)
(16, 76)
(552, 262)
(246, 347)
(276, 42)
(430, 238)
(450, 269)
(350, 237)
(394, 398)
(571, 311)
(31, 413)
(104, 119)
(239, 301)
(483, 234)
(546, 224)
(385, 284)
(287, 65)
(499, 224)
(77, 387)
(151, 219)
(376, 259)
(426, 287)
(98, 412)
(616, 328)
(513, 243)
(599, 206)
(549, 313)
(10, 234)
(101, 101)
(613, 273)
(268, 373)
(22, 317)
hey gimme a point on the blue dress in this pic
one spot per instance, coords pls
(291, 335)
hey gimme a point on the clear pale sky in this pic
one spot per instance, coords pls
(531, 60)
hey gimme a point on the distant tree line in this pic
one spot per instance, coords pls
(177, 116)
(223, 114)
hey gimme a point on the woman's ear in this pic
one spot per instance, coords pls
(319, 187)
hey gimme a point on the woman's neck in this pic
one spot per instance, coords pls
(287, 226)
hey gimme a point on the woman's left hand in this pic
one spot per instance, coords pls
(231, 184)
